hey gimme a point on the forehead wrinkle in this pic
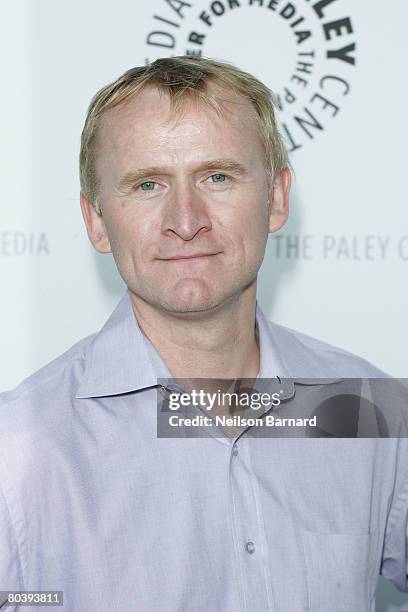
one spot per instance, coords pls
(133, 111)
(125, 123)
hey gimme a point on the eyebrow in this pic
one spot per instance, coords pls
(229, 165)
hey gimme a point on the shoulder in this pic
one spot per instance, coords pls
(37, 430)
(60, 375)
(308, 356)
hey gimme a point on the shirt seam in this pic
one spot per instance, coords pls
(27, 387)
(14, 532)
(398, 506)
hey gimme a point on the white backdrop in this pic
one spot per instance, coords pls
(337, 271)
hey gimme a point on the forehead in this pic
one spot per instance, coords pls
(148, 119)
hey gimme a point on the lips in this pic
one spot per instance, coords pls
(192, 256)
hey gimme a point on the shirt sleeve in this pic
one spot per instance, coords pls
(395, 556)
(10, 574)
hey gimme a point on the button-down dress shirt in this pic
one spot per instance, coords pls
(93, 503)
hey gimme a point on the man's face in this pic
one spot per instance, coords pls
(186, 207)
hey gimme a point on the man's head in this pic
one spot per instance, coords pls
(183, 79)
(180, 158)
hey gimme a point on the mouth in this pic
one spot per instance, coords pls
(188, 257)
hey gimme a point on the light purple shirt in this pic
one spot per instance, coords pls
(93, 503)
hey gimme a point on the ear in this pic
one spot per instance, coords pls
(279, 202)
(95, 226)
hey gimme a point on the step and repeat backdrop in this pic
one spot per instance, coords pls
(338, 270)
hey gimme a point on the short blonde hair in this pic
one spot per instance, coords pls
(182, 78)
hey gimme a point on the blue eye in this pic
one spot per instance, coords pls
(147, 186)
(218, 178)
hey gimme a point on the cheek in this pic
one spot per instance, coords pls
(129, 238)
(248, 224)
(253, 233)
(258, 218)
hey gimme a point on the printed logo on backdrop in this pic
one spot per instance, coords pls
(304, 50)
(15, 243)
(329, 247)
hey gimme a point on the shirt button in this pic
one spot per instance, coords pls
(250, 547)
(235, 450)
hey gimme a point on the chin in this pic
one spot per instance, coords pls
(190, 297)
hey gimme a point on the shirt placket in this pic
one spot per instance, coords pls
(248, 530)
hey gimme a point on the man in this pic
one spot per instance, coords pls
(183, 175)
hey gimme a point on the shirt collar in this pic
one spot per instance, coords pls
(117, 360)
(297, 359)
(270, 361)
(120, 359)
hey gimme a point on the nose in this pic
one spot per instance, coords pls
(185, 214)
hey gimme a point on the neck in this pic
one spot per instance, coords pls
(220, 343)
